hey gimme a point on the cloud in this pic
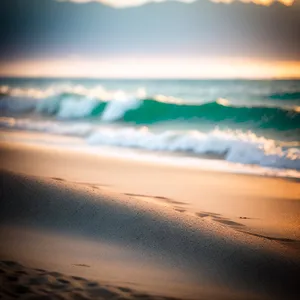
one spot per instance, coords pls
(129, 3)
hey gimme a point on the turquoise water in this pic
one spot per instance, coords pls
(248, 122)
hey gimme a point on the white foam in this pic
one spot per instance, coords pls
(233, 146)
(77, 108)
(98, 91)
(115, 109)
(78, 129)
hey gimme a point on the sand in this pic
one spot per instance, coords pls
(139, 230)
(265, 206)
(18, 281)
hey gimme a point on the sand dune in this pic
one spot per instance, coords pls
(217, 261)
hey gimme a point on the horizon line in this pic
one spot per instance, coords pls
(148, 78)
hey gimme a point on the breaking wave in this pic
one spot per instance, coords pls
(138, 109)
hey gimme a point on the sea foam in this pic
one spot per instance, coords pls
(232, 146)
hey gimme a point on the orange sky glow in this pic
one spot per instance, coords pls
(153, 68)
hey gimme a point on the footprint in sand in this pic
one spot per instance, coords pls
(58, 178)
(217, 218)
(124, 289)
(180, 210)
(82, 265)
(158, 198)
(227, 222)
(204, 214)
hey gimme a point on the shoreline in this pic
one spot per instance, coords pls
(204, 163)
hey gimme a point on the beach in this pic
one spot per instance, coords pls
(150, 149)
(132, 229)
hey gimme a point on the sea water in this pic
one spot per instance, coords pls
(242, 122)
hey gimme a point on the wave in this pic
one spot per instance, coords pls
(232, 146)
(149, 111)
(285, 96)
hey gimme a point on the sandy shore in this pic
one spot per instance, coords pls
(136, 230)
(265, 206)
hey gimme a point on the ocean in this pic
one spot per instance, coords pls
(234, 124)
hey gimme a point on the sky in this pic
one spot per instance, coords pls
(150, 38)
